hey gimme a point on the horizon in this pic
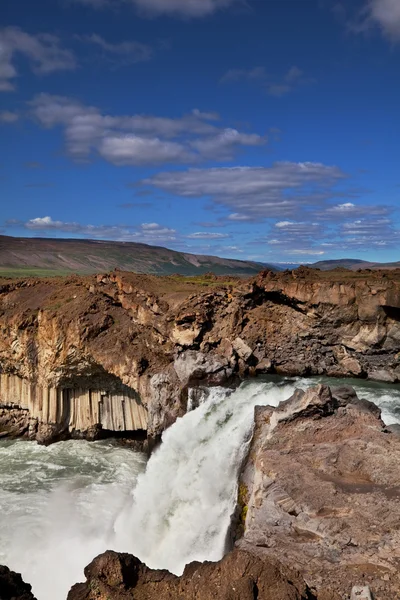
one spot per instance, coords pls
(243, 129)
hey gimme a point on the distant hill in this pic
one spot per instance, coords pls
(353, 264)
(48, 257)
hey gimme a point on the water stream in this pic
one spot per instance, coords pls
(62, 505)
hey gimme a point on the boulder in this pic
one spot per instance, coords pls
(320, 492)
(241, 575)
(12, 586)
(192, 366)
(383, 375)
(243, 350)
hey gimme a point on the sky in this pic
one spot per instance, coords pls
(254, 129)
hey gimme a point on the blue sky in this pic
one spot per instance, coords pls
(258, 129)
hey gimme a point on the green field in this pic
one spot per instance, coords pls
(32, 272)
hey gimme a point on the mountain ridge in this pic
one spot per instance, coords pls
(58, 256)
(353, 264)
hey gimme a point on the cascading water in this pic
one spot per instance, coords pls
(61, 506)
(182, 505)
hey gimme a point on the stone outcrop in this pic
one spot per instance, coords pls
(320, 492)
(239, 576)
(119, 351)
(12, 587)
(39, 411)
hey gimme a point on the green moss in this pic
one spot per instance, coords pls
(243, 496)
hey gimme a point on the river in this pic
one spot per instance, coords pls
(62, 505)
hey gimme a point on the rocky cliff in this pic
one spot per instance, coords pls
(320, 492)
(118, 352)
(240, 575)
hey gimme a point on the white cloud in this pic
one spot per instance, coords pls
(351, 210)
(255, 192)
(182, 8)
(7, 116)
(126, 52)
(132, 149)
(207, 235)
(146, 232)
(369, 233)
(139, 139)
(386, 14)
(239, 217)
(220, 146)
(307, 251)
(43, 51)
(273, 85)
(154, 230)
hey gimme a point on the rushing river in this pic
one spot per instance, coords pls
(62, 505)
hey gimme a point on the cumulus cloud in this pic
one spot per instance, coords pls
(182, 8)
(43, 51)
(122, 53)
(139, 139)
(272, 85)
(255, 192)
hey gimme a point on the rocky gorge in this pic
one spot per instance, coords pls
(118, 352)
(317, 507)
(317, 514)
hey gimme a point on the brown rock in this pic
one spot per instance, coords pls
(322, 491)
(12, 587)
(239, 576)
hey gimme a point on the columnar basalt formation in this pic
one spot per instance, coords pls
(69, 410)
(121, 350)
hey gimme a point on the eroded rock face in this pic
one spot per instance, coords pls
(321, 492)
(12, 587)
(239, 576)
(118, 351)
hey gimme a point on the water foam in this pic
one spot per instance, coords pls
(58, 505)
(182, 505)
(62, 505)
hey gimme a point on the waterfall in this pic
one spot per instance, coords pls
(182, 505)
(64, 504)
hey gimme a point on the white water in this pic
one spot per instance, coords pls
(61, 506)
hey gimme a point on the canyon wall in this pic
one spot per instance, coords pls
(320, 492)
(73, 410)
(119, 351)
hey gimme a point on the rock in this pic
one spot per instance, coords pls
(361, 593)
(225, 348)
(322, 491)
(241, 575)
(12, 587)
(264, 366)
(292, 369)
(108, 336)
(383, 375)
(192, 366)
(394, 429)
(348, 364)
(243, 350)
(345, 395)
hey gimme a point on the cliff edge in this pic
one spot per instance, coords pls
(87, 356)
